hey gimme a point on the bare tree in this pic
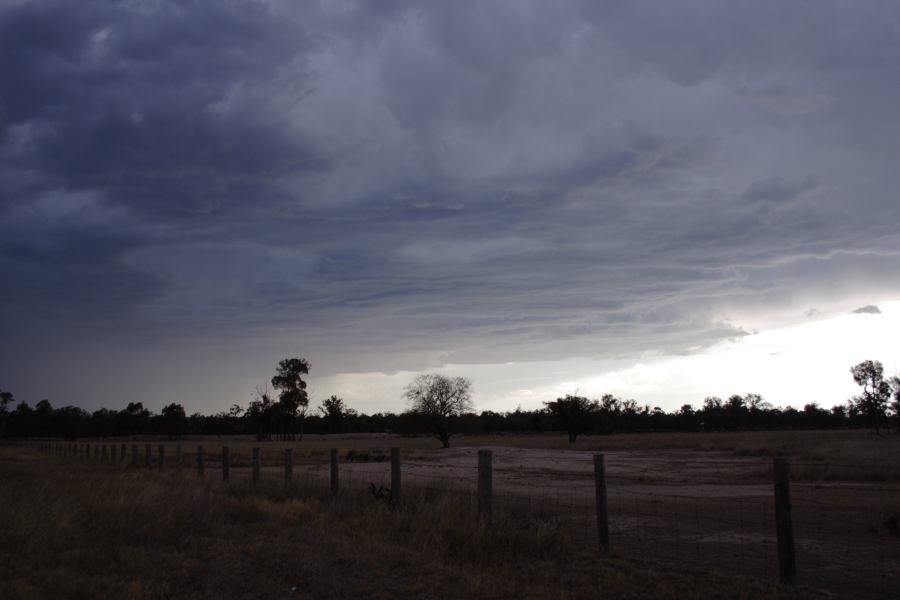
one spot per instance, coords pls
(438, 399)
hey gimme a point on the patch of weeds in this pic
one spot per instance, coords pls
(380, 493)
(365, 456)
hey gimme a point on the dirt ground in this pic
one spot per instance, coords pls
(712, 509)
(698, 501)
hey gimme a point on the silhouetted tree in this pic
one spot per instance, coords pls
(133, 419)
(22, 420)
(43, 418)
(102, 422)
(70, 421)
(573, 413)
(174, 420)
(334, 411)
(260, 414)
(292, 397)
(712, 412)
(437, 399)
(6, 398)
(876, 391)
(736, 411)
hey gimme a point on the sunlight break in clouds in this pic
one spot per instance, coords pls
(792, 365)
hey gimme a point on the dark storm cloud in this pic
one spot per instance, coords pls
(869, 309)
(397, 185)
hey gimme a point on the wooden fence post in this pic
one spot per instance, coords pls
(600, 493)
(148, 456)
(485, 485)
(224, 463)
(199, 461)
(395, 478)
(334, 471)
(178, 457)
(123, 453)
(162, 462)
(134, 455)
(255, 466)
(787, 566)
(87, 451)
(288, 465)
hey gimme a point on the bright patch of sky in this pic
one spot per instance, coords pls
(789, 366)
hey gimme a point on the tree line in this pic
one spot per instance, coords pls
(441, 406)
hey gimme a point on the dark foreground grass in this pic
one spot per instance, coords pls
(69, 530)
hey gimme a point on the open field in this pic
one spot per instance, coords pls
(699, 505)
(869, 456)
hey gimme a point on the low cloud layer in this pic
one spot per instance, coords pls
(869, 309)
(398, 186)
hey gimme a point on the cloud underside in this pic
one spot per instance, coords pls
(869, 309)
(409, 185)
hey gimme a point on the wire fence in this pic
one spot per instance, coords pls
(686, 514)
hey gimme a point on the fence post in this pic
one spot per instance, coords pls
(224, 463)
(787, 566)
(178, 457)
(255, 466)
(87, 451)
(199, 461)
(288, 465)
(395, 478)
(600, 492)
(148, 456)
(122, 453)
(334, 471)
(485, 485)
(134, 455)
(162, 450)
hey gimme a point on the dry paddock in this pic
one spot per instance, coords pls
(709, 507)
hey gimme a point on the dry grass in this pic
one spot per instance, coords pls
(835, 446)
(82, 530)
(850, 455)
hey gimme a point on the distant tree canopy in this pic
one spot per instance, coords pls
(438, 399)
(175, 420)
(574, 414)
(333, 411)
(441, 406)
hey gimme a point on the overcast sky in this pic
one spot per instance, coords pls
(544, 196)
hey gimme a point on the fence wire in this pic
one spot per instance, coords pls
(690, 515)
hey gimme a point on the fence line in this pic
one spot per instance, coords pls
(796, 532)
